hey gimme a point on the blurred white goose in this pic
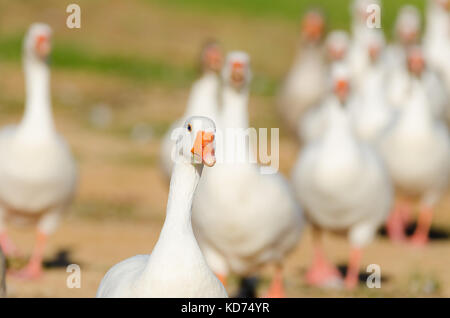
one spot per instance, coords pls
(176, 267)
(343, 187)
(372, 114)
(337, 46)
(417, 153)
(436, 42)
(406, 33)
(203, 99)
(437, 34)
(255, 218)
(358, 58)
(311, 125)
(303, 86)
(37, 171)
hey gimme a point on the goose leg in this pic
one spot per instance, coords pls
(47, 224)
(7, 245)
(33, 269)
(321, 272)
(351, 278)
(276, 289)
(420, 236)
(397, 222)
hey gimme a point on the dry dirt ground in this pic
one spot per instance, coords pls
(122, 194)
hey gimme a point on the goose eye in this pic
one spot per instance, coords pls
(189, 127)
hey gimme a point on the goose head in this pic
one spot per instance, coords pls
(196, 142)
(211, 57)
(236, 71)
(375, 44)
(407, 25)
(443, 4)
(313, 26)
(340, 82)
(337, 44)
(37, 43)
(416, 61)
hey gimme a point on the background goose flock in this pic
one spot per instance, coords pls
(143, 201)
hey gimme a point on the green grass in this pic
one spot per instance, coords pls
(69, 56)
(337, 11)
(74, 57)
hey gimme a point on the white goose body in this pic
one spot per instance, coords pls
(417, 148)
(436, 44)
(315, 121)
(203, 101)
(176, 267)
(255, 218)
(303, 87)
(37, 171)
(341, 183)
(372, 114)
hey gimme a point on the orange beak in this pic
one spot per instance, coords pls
(416, 63)
(204, 148)
(313, 27)
(43, 45)
(237, 72)
(213, 58)
(342, 88)
(335, 53)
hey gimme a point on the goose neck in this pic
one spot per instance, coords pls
(235, 113)
(183, 184)
(37, 120)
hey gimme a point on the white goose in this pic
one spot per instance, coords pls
(417, 152)
(436, 41)
(176, 267)
(256, 219)
(203, 99)
(337, 44)
(358, 58)
(406, 33)
(303, 86)
(343, 187)
(372, 114)
(37, 171)
(312, 124)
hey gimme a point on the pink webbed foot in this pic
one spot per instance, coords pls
(31, 272)
(351, 279)
(420, 236)
(276, 289)
(397, 222)
(8, 247)
(34, 268)
(323, 274)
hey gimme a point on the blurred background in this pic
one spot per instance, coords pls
(117, 85)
